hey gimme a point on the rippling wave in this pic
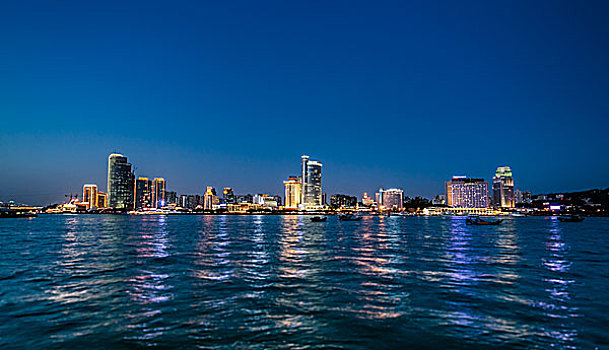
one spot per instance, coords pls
(260, 282)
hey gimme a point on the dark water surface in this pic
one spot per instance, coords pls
(264, 282)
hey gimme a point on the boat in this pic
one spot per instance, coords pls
(517, 215)
(572, 218)
(13, 213)
(319, 218)
(349, 217)
(478, 221)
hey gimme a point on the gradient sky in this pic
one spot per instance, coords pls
(385, 94)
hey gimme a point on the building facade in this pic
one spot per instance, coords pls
(229, 196)
(392, 198)
(503, 188)
(293, 189)
(120, 182)
(102, 200)
(311, 193)
(523, 197)
(210, 199)
(89, 196)
(171, 198)
(343, 200)
(143, 193)
(463, 192)
(158, 192)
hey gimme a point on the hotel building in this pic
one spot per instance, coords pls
(293, 189)
(392, 198)
(463, 192)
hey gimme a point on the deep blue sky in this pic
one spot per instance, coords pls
(392, 94)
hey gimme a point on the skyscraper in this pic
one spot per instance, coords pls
(89, 196)
(143, 193)
(463, 192)
(210, 198)
(158, 192)
(120, 182)
(293, 189)
(503, 188)
(311, 195)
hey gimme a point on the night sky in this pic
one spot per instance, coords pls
(385, 94)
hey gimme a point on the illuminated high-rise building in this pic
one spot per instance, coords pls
(392, 198)
(210, 198)
(158, 192)
(143, 193)
(311, 194)
(293, 189)
(463, 192)
(120, 182)
(89, 196)
(503, 188)
(102, 200)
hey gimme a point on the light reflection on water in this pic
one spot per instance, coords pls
(286, 282)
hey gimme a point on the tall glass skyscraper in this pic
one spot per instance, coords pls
(311, 183)
(120, 182)
(503, 188)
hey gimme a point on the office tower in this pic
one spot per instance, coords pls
(171, 197)
(120, 182)
(229, 196)
(102, 200)
(392, 198)
(158, 192)
(89, 196)
(293, 188)
(503, 188)
(143, 193)
(342, 200)
(210, 198)
(311, 183)
(463, 192)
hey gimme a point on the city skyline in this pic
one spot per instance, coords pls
(386, 95)
(136, 178)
